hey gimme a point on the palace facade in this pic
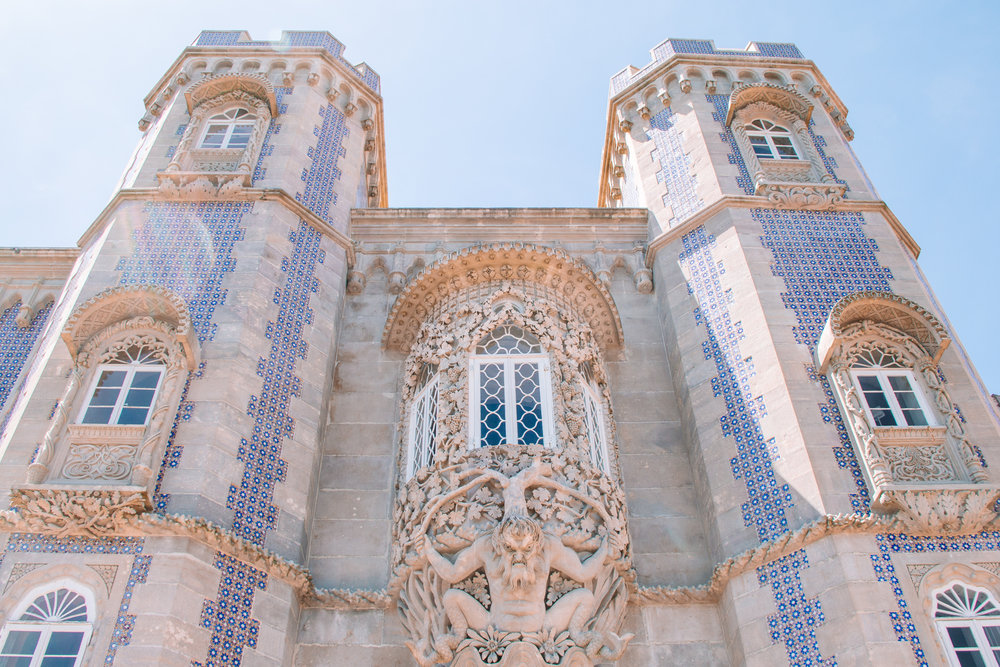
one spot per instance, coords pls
(258, 417)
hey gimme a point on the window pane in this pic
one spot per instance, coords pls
(145, 379)
(782, 141)
(111, 379)
(64, 643)
(762, 151)
(878, 403)
(755, 139)
(961, 637)
(106, 396)
(97, 416)
(970, 659)
(10, 661)
(528, 400)
(992, 635)
(20, 642)
(139, 398)
(133, 416)
(59, 662)
(492, 412)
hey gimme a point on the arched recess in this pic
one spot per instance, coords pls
(210, 87)
(563, 280)
(885, 308)
(783, 97)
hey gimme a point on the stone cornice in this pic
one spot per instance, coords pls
(470, 225)
(244, 195)
(747, 201)
(18, 265)
(300, 578)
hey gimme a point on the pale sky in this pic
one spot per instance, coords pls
(503, 104)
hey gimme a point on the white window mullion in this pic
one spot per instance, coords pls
(510, 401)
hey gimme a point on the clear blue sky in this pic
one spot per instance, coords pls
(503, 103)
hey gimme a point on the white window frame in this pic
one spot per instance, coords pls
(882, 375)
(47, 628)
(422, 445)
(768, 136)
(508, 361)
(976, 624)
(249, 121)
(596, 433)
(130, 371)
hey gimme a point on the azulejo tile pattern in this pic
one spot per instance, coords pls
(254, 514)
(46, 544)
(173, 451)
(829, 163)
(795, 622)
(16, 344)
(228, 618)
(273, 129)
(675, 172)
(768, 501)
(885, 570)
(321, 176)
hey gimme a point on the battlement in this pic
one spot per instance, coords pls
(671, 47)
(290, 39)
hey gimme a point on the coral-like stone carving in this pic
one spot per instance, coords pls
(488, 567)
(62, 512)
(960, 510)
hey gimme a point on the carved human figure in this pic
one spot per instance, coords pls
(518, 557)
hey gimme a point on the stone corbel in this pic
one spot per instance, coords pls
(202, 185)
(616, 194)
(369, 145)
(951, 509)
(145, 123)
(664, 98)
(625, 125)
(367, 125)
(601, 267)
(685, 85)
(182, 79)
(332, 94)
(349, 109)
(644, 111)
(642, 275)
(397, 276)
(621, 147)
(618, 170)
(371, 169)
(312, 79)
(288, 78)
(814, 196)
(710, 86)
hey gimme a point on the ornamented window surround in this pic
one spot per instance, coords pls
(943, 577)
(26, 600)
(110, 454)
(450, 340)
(209, 172)
(931, 474)
(802, 182)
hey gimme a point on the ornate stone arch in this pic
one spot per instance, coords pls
(939, 579)
(474, 273)
(143, 317)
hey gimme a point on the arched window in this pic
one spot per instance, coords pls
(892, 395)
(124, 388)
(423, 421)
(52, 631)
(770, 140)
(510, 394)
(230, 129)
(968, 619)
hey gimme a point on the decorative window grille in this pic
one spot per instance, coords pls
(124, 389)
(510, 392)
(423, 421)
(52, 632)
(771, 141)
(594, 416)
(969, 622)
(231, 129)
(891, 394)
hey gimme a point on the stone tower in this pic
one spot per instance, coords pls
(259, 418)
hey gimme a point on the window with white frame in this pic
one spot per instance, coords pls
(510, 392)
(594, 418)
(124, 389)
(770, 140)
(891, 393)
(230, 129)
(51, 632)
(423, 421)
(968, 620)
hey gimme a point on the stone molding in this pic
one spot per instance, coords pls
(528, 263)
(890, 309)
(213, 86)
(783, 97)
(300, 579)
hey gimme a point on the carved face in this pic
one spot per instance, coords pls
(517, 542)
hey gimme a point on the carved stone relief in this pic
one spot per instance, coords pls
(106, 572)
(18, 570)
(513, 556)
